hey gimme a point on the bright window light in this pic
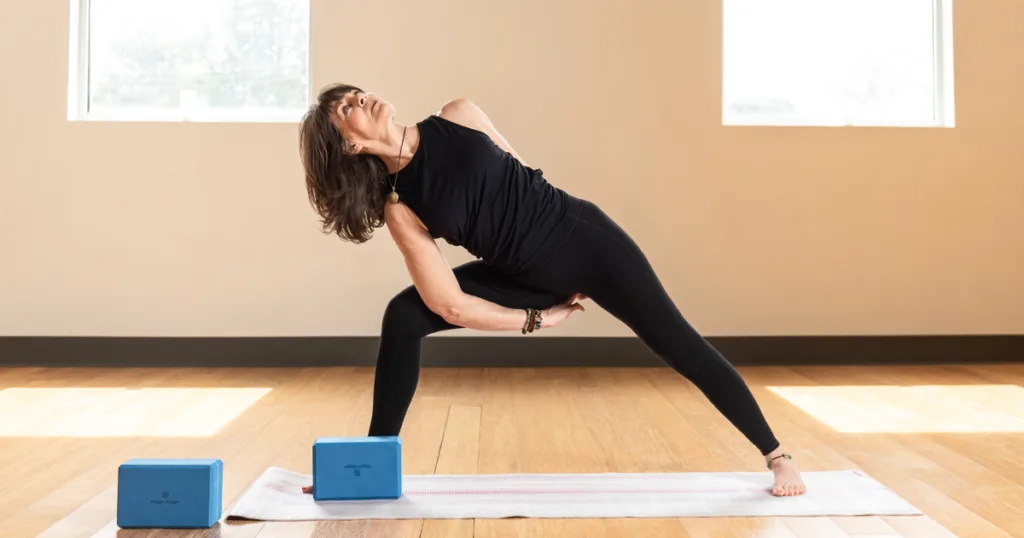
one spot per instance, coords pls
(912, 409)
(122, 412)
(838, 62)
(189, 60)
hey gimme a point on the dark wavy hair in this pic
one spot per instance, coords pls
(343, 188)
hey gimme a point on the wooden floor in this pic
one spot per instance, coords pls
(948, 439)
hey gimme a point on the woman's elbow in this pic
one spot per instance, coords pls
(455, 316)
(450, 311)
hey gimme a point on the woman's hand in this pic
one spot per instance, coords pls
(559, 313)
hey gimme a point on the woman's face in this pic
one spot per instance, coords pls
(362, 118)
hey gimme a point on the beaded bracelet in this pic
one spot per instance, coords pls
(533, 320)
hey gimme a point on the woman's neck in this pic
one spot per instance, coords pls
(394, 152)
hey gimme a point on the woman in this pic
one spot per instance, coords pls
(539, 250)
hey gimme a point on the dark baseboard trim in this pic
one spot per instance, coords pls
(499, 351)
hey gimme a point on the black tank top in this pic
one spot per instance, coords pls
(473, 194)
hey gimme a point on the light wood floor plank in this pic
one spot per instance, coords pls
(459, 452)
(290, 529)
(918, 527)
(814, 527)
(865, 526)
(499, 440)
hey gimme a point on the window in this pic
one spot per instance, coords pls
(189, 60)
(838, 62)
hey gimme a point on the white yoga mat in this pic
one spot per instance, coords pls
(277, 496)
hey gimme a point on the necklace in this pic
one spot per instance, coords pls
(393, 195)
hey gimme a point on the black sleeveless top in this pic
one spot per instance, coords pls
(470, 192)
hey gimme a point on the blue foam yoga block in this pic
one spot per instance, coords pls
(177, 493)
(357, 468)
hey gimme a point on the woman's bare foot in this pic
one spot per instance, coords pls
(787, 477)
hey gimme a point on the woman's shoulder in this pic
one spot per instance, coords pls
(463, 112)
(469, 116)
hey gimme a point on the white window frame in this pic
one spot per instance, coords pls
(78, 90)
(944, 100)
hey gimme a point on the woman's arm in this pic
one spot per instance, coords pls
(466, 113)
(436, 283)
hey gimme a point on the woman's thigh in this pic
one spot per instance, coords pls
(478, 279)
(407, 311)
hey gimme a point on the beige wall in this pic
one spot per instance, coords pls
(160, 229)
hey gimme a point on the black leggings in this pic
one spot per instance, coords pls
(600, 261)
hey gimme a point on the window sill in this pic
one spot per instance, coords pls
(733, 121)
(177, 116)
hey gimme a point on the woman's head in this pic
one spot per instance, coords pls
(340, 140)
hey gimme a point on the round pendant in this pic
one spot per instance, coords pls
(393, 197)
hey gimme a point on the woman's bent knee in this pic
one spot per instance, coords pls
(406, 314)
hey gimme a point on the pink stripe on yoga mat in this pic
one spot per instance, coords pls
(604, 491)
